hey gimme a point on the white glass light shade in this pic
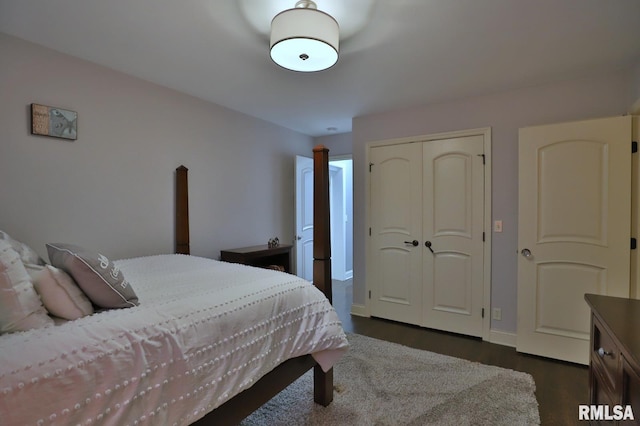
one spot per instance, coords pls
(304, 39)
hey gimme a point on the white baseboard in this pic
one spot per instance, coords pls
(502, 338)
(344, 276)
(495, 336)
(359, 310)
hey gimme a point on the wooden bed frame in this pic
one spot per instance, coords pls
(233, 411)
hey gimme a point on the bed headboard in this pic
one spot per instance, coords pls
(182, 211)
(321, 226)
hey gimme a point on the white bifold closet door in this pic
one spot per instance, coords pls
(427, 215)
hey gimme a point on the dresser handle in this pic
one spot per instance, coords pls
(603, 353)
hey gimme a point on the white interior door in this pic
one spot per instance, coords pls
(453, 215)
(304, 217)
(396, 221)
(573, 230)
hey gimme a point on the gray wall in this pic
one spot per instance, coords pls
(113, 189)
(636, 86)
(339, 144)
(602, 96)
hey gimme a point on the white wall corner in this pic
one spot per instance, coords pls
(503, 338)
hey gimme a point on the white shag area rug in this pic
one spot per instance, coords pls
(383, 383)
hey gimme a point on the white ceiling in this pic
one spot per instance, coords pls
(397, 53)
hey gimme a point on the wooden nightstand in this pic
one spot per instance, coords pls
(261, 256)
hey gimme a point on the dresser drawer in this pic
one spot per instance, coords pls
(614, 374)
(602, 395)
(605, 356)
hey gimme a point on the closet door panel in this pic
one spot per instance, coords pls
(396, 205)
(453, 214)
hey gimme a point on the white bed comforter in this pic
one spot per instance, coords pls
(204, 331)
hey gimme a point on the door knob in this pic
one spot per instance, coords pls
(413, 243)
(298, 237)
(526, 252)
(428, 245)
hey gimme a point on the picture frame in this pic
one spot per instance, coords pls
(54, 122)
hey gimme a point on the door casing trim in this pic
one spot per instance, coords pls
(486, 133)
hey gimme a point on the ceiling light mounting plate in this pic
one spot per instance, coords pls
(306, 4)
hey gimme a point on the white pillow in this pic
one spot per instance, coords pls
(20, 306)
(60, 295)
(27, 254)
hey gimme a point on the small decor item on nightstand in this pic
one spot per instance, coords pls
(276, 268)
(273, 242)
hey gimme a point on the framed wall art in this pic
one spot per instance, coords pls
(53, 121)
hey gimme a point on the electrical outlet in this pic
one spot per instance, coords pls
(496, 314)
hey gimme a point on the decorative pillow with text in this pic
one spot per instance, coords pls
(101, 280)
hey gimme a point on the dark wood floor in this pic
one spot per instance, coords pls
(560, 386)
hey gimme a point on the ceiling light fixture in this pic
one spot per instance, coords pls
(304, 38)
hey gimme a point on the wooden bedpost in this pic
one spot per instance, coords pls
(321, 225)
(182, 211)
(323, 382)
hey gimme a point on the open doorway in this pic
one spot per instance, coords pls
(341, 202)
(341, 219)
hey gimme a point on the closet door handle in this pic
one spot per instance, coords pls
(428, 245)
(413, 243)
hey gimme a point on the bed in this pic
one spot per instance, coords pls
(207, 342)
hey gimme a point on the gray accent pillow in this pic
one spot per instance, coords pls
(101, 280)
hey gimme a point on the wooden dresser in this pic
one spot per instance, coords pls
(614, 367)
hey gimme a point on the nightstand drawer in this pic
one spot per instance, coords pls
(605, 356)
